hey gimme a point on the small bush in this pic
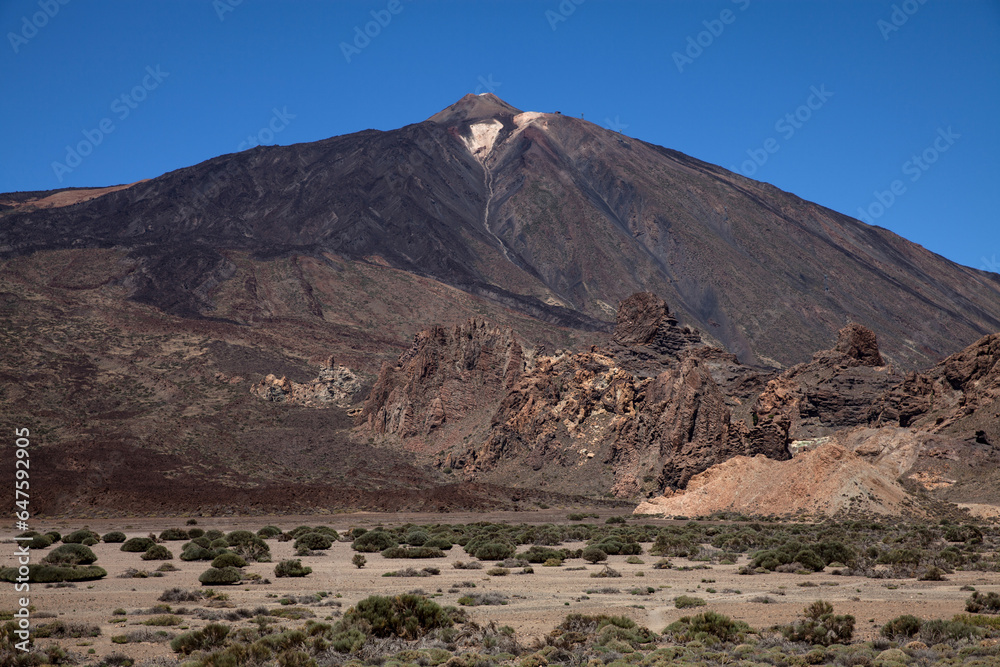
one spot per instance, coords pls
(137, 544)
(114, 537)
(229, 559)
(195, 532)
(196, 552)
(180, 595)
(248, 545)
(174, 535)
(709, 623)
(313, 541)
(267, 532)
(78, 536)
(373, 540)
(412, 552)
(594, 554)
(291, 568)
(494, 551)
(211, 636)
(220, 576)
(820, 626)
(687, 601)
(70, 554)
(157, 552)
(406, 616)
(983, 603)
(498, 572)
(359, 561)
(901, 626)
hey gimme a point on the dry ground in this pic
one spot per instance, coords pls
(538, 602)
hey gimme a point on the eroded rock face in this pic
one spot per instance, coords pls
(641, 415)
(960, 394)
(335, 385)
(833, 391)
(446, 375)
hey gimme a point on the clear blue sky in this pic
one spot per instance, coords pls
(897, 88)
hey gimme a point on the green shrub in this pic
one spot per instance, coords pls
(906, 625)
(494, 551)
(291, 568)
(313, 541)
(709, 623)
(406, 616)
(137, 544)
(90, 541)
(938, 631)
(438, 543)
(38, 542)
(114, 537)
(412, 552)
(78, 536)
(228, 559)
(174, 535)
(687, 601)
(820, 626)
(53, 535)
(40, 573)
(810, 560)
(373, 540)
(359, 561)
(983, 603)
(211, 636)
(195, 552)
(220, 576)
(248, 545)
(267, 532)
(214, 534)
(70, 554)
(157, 552)
(195, 532)
(594, 554)
(540, 554)
(416, 537)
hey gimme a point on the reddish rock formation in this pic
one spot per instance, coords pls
(443, 377)
(833, 391)
(639, 416)
(960, 395)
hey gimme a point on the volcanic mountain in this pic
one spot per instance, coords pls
(551, 215)
(459, 277)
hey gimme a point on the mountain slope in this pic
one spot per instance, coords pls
(547, 214)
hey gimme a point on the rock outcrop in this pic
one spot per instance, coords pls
(446, 376)
(335, 385)
(833, 391)
(960, 394)
(638, 416)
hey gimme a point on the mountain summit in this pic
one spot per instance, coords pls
(548, 215)
(474, 107)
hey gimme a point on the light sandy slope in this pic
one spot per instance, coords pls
(825, 480)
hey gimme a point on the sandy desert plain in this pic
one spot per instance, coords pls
(534, 600)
